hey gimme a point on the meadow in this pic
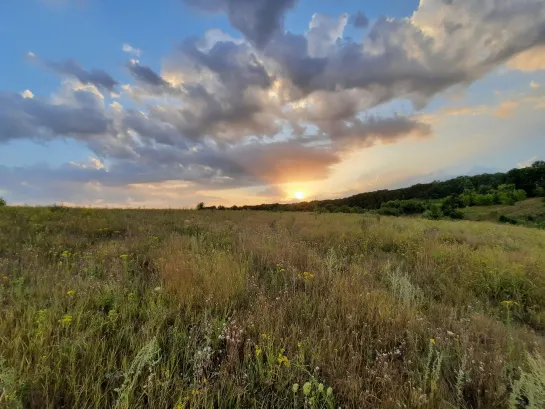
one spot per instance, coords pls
(241, 309)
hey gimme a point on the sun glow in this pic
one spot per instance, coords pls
(299, 195)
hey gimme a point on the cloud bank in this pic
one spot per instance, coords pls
(273, 106)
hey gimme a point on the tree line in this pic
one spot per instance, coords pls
(433, 200)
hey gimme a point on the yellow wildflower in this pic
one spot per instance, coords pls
(258, 351)
(432, 340)
(5, 278)
(65, 253)
(66, 321)
(70, 293)
(124, 257)
(283, 360)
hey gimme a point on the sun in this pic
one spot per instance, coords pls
(299, 195)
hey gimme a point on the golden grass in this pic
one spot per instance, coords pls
(181, 309)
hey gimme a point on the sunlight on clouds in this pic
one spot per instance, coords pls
(530, 60)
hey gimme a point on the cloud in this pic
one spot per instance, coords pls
(258, 20)
(359, 20)
(273, 106)
(129, 49)
(27, 94)
(507, 109)
(71, 69)
(92, 163)
(37, 118)
(529, 60)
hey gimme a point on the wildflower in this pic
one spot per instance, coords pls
(450, 333)
(66, 321)
(432, 340)
(157, 289)
(44, 357)
(307, 388)
(258, 351)
(509, 303)
(320, 387)
(70, 293)
(329, 391)
(65, 253)
(124, 257)
(283, 360)
(295, 387)
(5, 278)
(299, 345)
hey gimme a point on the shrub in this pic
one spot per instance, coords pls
(506, 219)
(2, 202)
(434, 213)
(540, 191)
(200, 206)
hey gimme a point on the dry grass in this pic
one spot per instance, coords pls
(180, 309)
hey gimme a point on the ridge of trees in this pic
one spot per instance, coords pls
(434, 199)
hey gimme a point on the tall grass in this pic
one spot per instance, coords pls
(181, 309)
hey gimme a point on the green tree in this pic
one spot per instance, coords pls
(2, 202)
(538, 164)
(200, 206)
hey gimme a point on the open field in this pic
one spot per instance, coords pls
(185, 309)
(529, 212)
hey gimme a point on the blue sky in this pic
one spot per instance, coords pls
(184, 122)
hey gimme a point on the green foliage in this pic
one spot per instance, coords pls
(504, 188)
(200, 206)
(2, 202)
(529, 390)
(433, 213)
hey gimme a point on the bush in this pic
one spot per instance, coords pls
(389, 211)
(2, 202)
(200, 206)
(434, 213)
(540, 191)
(506, 219)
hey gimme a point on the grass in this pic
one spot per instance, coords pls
(530, 213)
(183, 309)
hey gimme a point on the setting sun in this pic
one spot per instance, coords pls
(299, 195)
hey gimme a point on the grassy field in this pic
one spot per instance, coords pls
(183, 309)
(530, 213)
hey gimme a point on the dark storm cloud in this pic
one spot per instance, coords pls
(258, 20)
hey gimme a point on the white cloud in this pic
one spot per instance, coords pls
(131, 50)
(534, 85)
(27, 94)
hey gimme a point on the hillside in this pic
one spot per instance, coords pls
(529, 213)
(186, 309)
(531, 180)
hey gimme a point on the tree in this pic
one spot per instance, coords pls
(2, 202)
(538, 164)
(200, 206)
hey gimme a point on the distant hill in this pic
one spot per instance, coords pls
(531, 180)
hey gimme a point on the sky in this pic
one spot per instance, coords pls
(175, 102)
